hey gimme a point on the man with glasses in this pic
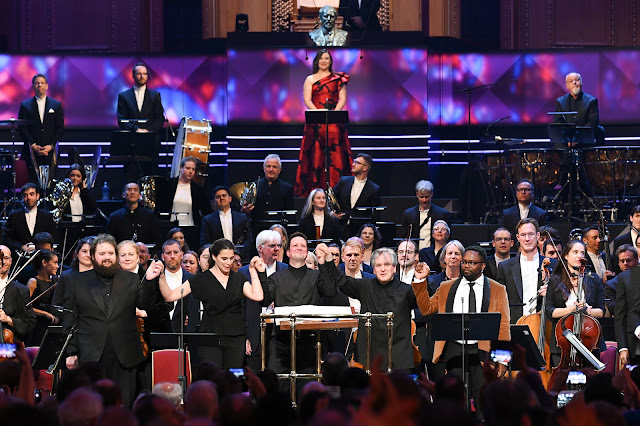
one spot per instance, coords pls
(423, 216)
(502, 244)
(268, 244)
(467, 293)
(524, 208)
(582, 104)
(521, 274)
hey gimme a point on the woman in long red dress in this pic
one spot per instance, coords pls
(324, 89)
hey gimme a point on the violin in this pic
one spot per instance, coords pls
(586, 328)
(540, 327)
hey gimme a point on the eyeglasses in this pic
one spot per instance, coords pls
(523, 190)
(272, 246)
(502, 239)
(440, 229)
(469, 263)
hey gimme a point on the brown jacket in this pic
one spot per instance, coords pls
(439, 302)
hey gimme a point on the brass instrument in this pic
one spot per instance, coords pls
(148, 191)
(332, 201)
(60, 197)
(244, 192)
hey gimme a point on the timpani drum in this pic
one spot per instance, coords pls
(613, 169)
(541, 166)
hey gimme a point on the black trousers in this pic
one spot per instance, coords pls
(124, 377)
(229, 354)
(453, 357)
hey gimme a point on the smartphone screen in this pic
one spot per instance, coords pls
(7, 350)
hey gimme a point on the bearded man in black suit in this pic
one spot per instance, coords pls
(104, 301)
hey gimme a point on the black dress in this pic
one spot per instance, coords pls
(223, 315)
(42, 322)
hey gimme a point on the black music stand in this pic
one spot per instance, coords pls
(127, 146)
(521, 335)
(463, 327)
(326, 117)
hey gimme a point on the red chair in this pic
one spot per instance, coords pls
(165, 366)
(43, 380)
(610, 357)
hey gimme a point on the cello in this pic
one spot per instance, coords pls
(540, 327)
(585, 327)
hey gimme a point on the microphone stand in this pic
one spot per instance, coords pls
(182, 358)
(469, 91)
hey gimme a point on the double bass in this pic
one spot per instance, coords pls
(540, 327)
(585, 327)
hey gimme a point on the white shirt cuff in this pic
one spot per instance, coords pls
(637, 332)
(423, 279)
(622, 349)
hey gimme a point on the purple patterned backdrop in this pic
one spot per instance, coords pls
(387, 85)
(88, 86)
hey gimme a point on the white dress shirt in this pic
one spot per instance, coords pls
(182, 203)
(524, 210)
(425, 231)
(42, 103)
(139, 92)
(75, 204)
(227, 224)
(174, 280)
(31, 219)
(356, 190)
(598, 264)
(461, 300)
(529, 274)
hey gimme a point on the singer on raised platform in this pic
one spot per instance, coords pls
(324, 89)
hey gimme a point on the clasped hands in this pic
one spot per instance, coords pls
(41, 150)
(323, 254)
(258, 264)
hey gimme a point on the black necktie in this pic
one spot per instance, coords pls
(472, 298)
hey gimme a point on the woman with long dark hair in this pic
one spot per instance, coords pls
(80, 203)
(46, 267)
(324, 89)
(221, 292)
(563, 297)
(372, 240)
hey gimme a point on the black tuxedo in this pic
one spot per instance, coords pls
(151, 110)
(200, 205)
(42, 133)
(123, 224)
(626, 295)
(511, 216)
(429, 256)
(89, 205)
(158, 310)
(14, 305)
(510, 276)
(330, 229)
(17, 231)
(108, 336)
(369, 197)
(367, 10)
(411, 216)
(590, 266)
(588, 113)
(491, 271)
(94, 322)
(212, 230)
